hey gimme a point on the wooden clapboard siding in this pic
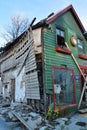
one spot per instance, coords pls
(20, 59)
(32, 86)
(31, 61)
(26, 54)
(54, 58)
(23, 49)
(23, 55)
(31, 78)
(6, 55)
(8, 64)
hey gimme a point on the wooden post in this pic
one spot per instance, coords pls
(81, 74)
(75, 61)
(84, 87)
(44, 75)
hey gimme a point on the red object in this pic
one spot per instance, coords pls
(63, 50)
(66, 107)
(82, 56)
(54, 96)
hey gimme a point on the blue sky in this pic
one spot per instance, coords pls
(39, 9)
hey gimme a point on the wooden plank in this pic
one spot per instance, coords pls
(22, 121)
(85, 78)
(23, 49)
(7, 64)
(30, 68)
(31, 62)
(32, 91)
(26, 57)
(20, 59)
(32, 86)
(84, 87)
(74, 59)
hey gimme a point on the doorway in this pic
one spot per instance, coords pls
(12, 96)
(6, 89)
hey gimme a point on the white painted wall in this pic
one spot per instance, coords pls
(6, 81)
(19, 85)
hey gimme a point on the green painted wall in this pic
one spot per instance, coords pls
(53, 58)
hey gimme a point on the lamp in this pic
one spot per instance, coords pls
(73, 40)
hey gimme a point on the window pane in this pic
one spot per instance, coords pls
(57, 31)
(62, 33)
(60, 38)
(63, 87)
(80, 46)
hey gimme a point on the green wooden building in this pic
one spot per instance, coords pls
(48, 74)
(62, 79)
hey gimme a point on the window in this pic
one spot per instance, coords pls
(63, 83)
(60, 38)
(80, 46)
(6, 86)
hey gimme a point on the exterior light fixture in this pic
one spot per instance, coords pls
(73, 40)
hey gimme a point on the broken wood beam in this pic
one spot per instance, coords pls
(29, 49)
(22, 120)
(74, 59)
(85, 78)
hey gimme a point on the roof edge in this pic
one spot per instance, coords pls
(70, 7)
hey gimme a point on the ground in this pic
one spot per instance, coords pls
(8, 125)
(20, 116)
(76, 122)
(3, 125)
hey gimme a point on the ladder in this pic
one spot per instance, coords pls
(85, 78)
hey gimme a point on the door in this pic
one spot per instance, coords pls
(12, 96)
(6, 94)
(64, 86)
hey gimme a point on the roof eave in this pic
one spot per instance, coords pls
(70, 7)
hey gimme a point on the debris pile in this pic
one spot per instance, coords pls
(25, 114)
(24, 117)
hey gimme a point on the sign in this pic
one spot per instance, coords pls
(57, 88)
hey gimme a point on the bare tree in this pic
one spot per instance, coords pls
(18, 25)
